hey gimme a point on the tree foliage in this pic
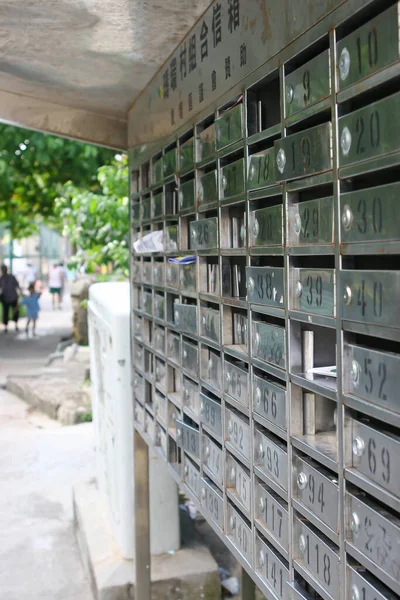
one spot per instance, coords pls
(97, 223)
(33, 170)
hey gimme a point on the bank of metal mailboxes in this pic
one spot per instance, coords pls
(267, 371)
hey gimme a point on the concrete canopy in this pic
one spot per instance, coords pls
(75, 67)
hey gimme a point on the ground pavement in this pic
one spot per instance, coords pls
(39, 463)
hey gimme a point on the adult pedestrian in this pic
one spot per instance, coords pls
(56, 280)
(9, 292)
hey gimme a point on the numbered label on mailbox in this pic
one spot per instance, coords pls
(186, 155)
(210, 411)
(261, 169)
(265, 286)
(212, 501)
(159, 306)
(186, 195)
(169, 162)
(236, 383)
(190, 358)
(188, 438)
(191, 476)
(318, 556)
(313, 291)
(370, 131)
(185, 317)
(311, 222)
(375, 533)
(372, 375)
(272, 568)
(375, 454)
(238, 433)
(162, 409)
(269, 343)
(211, 369)
(317, 490)
(212, 459)
(232, 179)
(187, 277)
(304, 153)
(191, 397)
(146, 209)
(207, 192)
(266, 227)
(239, 482)
(271, 457)
(173, 346)
(228, 127)
(370, 48)
(272, 513)
(210, 323)
(371, 297)
(308, 84)
(240, 533)
(371, 215)
(158, 205)
(206, 143)
(362, 585)
(204, 234)
(269, 401)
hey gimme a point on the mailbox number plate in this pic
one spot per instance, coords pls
(314, 291)
(366, 589)
(375, 533)
(191, 399)
(191, 476)
(317, 557)
(173, 346)
(206, 143)
(207, 188)
(190, 358)
(169, 162)
(265, 286)
(240, 533)
(232, 179)
(211, 369)
(158, 205)
(211, 414)
(210, 323)
(189, 438)
(317, 491)
(308, 84)
(370, 48)
(304, 153)
(269, 401)
(272, 569)
(261, 170)
(311, 222)
(238, 433)
(266, 227)
(372, 375)
(236, 383)
(371, 215)
(370, 131)
(162, 409)
(185, 317)
(212, 501)
(269, 343)
(159, 306)
(228, 127)
(186, 195)
(271, 458)
(204, 234)
(171, 238)
(376, 456)
(212, 459)
(239, 482)
(187, 277)
(273, 515)
(371, 297)
(186, 155)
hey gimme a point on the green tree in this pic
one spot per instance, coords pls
(97, 223)
(33, 169)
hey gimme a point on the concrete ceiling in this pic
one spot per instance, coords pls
(88, 55)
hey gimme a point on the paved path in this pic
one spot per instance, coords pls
(39, 463)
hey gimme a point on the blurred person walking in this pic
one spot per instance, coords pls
(32, 309)
(9, 293)
(56, 281)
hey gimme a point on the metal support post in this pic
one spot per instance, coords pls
(142, 519)
(248, 587)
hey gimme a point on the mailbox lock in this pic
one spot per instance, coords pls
(347, 217)
(204, 320)
(302, 480)
(232, 475)
(261, 504)
(358, 446)
(261, 558)
(230, 427)
(256, 227)
(179, 432)
(347, 295)
(203, 493)
(202, 407)
(289, 93)
(354, 522)
(180, 196)
(186, 393)
(201, 192)
(158, 373)
(257, 340)
(176, 316)
(355, 372)
(228, 377)
(186, 470)
(344, 64)
(261, 451)
(281, 160)
(184, 353)
(224, 182)
(355, 593)
(297, 223)
(345, 141)
(302, 543)
(207, 451)
(298, 289)
(232, 522)
(251, 285)
(258, 395)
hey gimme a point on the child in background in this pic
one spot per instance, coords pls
(32, 309)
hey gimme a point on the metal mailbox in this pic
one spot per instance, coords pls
(206, 143)
(191, 476)
(188, 438)
(207, 191)
(271, 457)
(211, 414)
(210, 326)
(311, 222)
(204, 234)
(313, 291)
(261, 172)
(269, 401)
(186, 155)
(212, 501)
(232, 179)
(236, 383)
(308, 85)
(272, 568)
(190, 358)
(265, 286)
(191, 397)
(228, 127)
(185, 317)
(186, 195)
(240, 533)
(266, 227)
(157, 205)
(272, 515)
(212, 459)
(169, 162)
(269, 343)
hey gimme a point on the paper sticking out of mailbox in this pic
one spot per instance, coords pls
(152, 242)
(326, 371)
(182, 260)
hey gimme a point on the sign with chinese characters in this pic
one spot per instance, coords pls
(231, 39)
